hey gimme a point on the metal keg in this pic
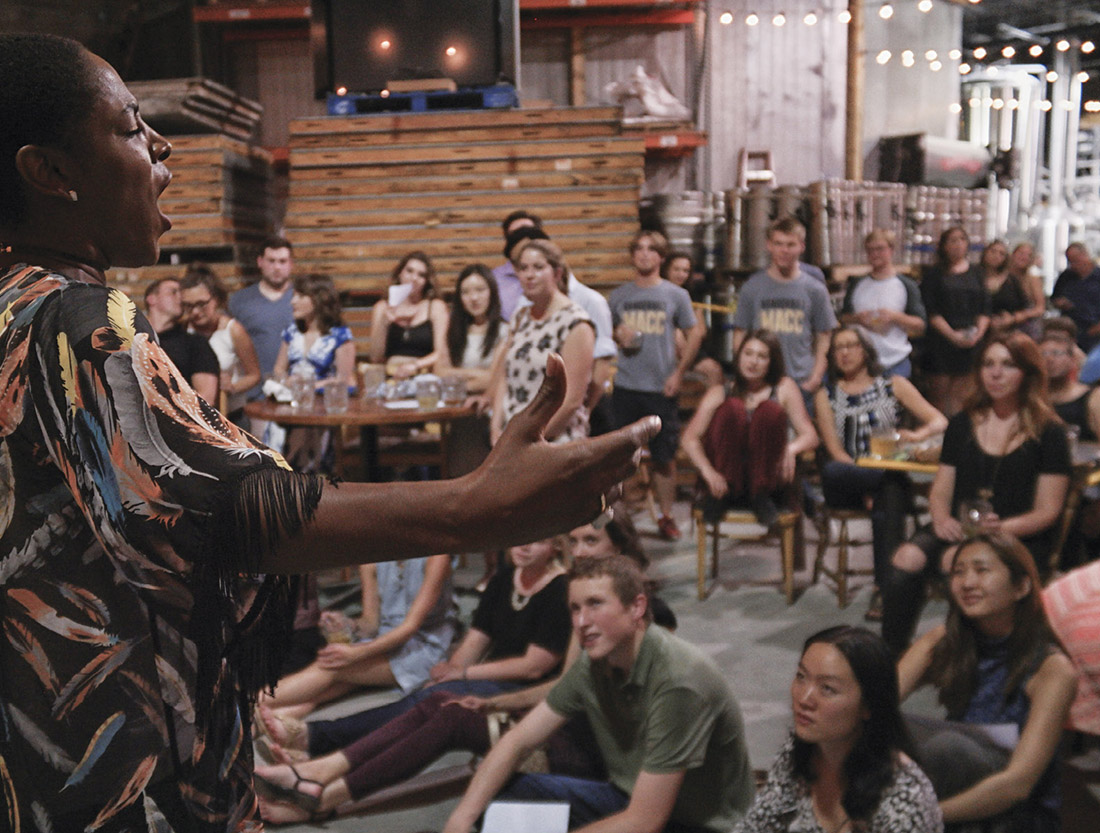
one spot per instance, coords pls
(693, 221)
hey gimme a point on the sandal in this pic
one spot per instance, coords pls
(874, 609)
(290, 795)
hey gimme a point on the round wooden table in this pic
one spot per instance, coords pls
(368, 415)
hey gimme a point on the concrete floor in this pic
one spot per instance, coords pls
(748, 629)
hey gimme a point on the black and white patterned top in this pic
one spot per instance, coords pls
(525, 363)
(857, 414)
(784, 805)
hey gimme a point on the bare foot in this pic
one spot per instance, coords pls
(287, 732)
(281, 812)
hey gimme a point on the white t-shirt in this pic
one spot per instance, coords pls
(888, 293)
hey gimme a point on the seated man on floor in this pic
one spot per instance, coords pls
(667, 725)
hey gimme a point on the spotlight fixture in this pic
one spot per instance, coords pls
(341, 90)
(450, 51)
(384, 44)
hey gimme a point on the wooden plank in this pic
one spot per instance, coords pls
(445, 265)
(376, 285)
(473, 214)
(416, 168)
(486, 251)
(444, 184)
(403, 154)
(451, 121)
(481, 134)
(457, 199)
(203, 239)
(414, 235)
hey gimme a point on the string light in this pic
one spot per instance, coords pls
(1009, 51)
(925, 6)
(980, 52)
(726, 18)
(930, 55)
(1062, 45)
(1092, 106)
(1065, 104)
(341, 90)
(1035, 50)
(450, 51)
(955, 107)
(998, 104)
(935, 66)
(886, 11)
(955, 54)
(810, 19)
(1052, 76)
(845, 16)
(752, 19)
(384, 45)
(964, 69)
(779, 19)
(974, 102)
(907, 58)
(1012, 104)
(883, 56)
(1082, 76)
(1045, 106)
(1087, 47)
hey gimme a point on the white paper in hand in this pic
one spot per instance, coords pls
(526, 817)
(398, 293)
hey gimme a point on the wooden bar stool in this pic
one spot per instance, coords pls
(844, 542)
(788, 528)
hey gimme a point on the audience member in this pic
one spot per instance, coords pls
(846, 764)
(1011, 304)
(410, 336)
(677, 270)
(319, 344)
(958, 317)
(994, 664)
(409, 618)
(1022, 269)
(1076, 294)
(507, 280)
(518, 636)
(647, 313)
(1072, 604)
(739, 437)
(1004, 468)
(203, 299)
(856, 402)
(263, 309)
(678, 762)
(789, 303)
(551, 324)
(190, 353)
(886, 306)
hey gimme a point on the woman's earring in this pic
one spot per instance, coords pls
(73, 196)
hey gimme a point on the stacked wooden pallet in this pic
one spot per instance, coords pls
(221, 205)
(196, 105)
(366, 190)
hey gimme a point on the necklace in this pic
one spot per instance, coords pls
(519, 601)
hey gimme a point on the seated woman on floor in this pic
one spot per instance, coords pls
(739, 439)
(996, 666)
(519, 634)
(1005, 465)
(856, 402)
(439, 724)
(845, 767)
(412, 606)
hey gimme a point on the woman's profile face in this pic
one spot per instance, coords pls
(679, 270)
(754, 360)
(848, 354)
(588, 542)
(302, 307)
(1001, 377)
(981, 584)
(475, 295)
(118, 175)
(536, 555)
(995, 256)
(537, 276)
(826, 700)
(1022, 257)
(414, 272)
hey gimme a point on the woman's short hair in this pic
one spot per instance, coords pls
(870, 354)
(1035, 408)
(459, 325)
(48, 91)
(954, 667)
(776, 368)
(326, 302)
(549, 250)
(869, 767)
(429, 272)
(201, 274)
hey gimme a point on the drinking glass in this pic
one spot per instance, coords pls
(336, 397)
(428, 391)
(453, 390)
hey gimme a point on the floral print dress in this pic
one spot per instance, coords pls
(531, 343)
(135, 627)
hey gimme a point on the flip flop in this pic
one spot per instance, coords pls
(291, 795)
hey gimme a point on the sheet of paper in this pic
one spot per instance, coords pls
(526, 817)
(398, 293)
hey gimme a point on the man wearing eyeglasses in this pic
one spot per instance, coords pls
(190, 353)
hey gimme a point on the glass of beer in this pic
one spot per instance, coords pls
(884, 442)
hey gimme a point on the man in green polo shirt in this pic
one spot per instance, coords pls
(667, 725)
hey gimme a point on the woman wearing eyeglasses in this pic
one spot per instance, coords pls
(203, 301)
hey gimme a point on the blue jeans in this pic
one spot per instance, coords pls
(902, 368)
(329, 735)
(589, 801)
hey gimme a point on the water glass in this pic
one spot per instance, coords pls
(374, 376)
(302, 391)
(454, 390)
(428, 391)
(336, 397)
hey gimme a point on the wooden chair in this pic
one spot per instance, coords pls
(844, 542)
(788, 528)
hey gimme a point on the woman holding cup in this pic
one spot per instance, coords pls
(858, 409)
(1007, 447)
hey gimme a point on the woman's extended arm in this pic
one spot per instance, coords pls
(344, 363)
(379, 323)
(931, 420)
(528, 698)
(247, 360)
(576, 352)
(282, 362)
(526, 490)
(826, 427)
(472, 648)
(535, 663)
(1051, 691)
(692, 440)
(914, 663)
